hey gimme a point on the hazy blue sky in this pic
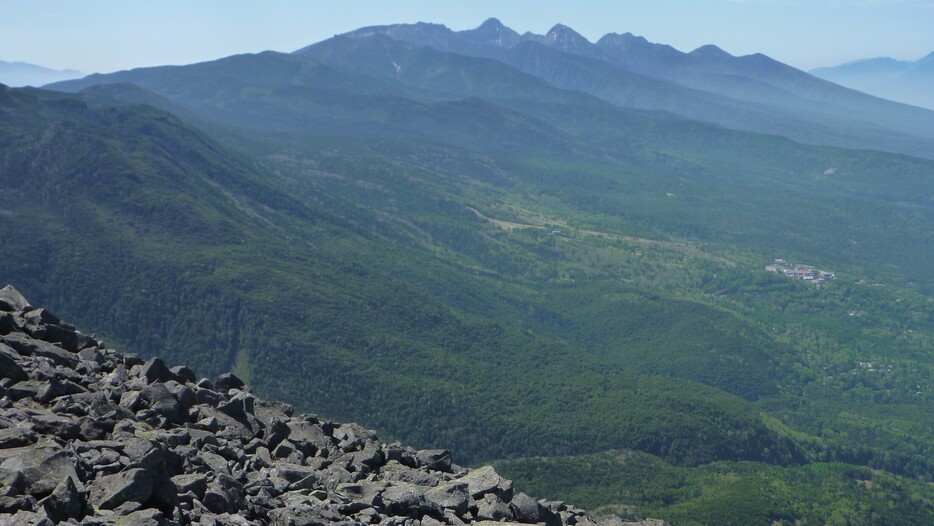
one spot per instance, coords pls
(106, 35)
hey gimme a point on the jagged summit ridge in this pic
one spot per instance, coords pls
(492, 37)
(92, 436)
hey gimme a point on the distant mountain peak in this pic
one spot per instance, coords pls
(432, 26)
(18, 74)
(493, 32)
(492, 24)
(565, 38)
(617, 40)
(711, 51)
(627, 42)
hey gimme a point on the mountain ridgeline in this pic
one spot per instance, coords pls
(533, 250)
(754, 93)
(22, 74)
(902, 80)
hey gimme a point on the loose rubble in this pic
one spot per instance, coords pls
(95, 437)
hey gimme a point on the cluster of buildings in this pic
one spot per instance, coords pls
(802, 272)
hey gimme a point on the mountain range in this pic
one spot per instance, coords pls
(754, 93)
(22, 74)
(907, 81)
(487, 249)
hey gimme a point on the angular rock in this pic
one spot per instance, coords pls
(9, 368)
(25, 518)
(42, 467)
(485, 480)
(28, 389)
(292, 472)
(396, 472)
(530, 511)
(55, 388)
(155, 370)
(26, 345)
(61, 426)
(276, 432)
(491, 507)
(228, 381)
(13, 504)
(111, 491)
(38, 317)
(16, 437)
(434, 459)
(11, 300)
(224, 495)
(266, 412)
(64, 337)
(158, 399)
(194, 482)
(9, 324)
(12, 483)
(184, 374)
(65, 502)
(91, 354)
(309, 436)
(405, 500)
(451, 496)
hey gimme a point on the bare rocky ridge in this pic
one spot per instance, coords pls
(95, 437)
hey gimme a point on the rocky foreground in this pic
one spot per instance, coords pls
(95, 437)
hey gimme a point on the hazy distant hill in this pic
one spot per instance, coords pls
(18, 74)
(911, 82)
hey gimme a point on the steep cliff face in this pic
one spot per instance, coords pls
(92, 436)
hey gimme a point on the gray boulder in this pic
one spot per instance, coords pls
(110, 491)
(196, 483)
(485, 480)
(9, 323)
(16, 437)
(491, 507)
(8, 366)
(43, 467)
(530, 511)
(11, 300)
(65, 502)
(224, 495)
(450, 496)
(434, 459)
(406, 500)
(155, 370)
